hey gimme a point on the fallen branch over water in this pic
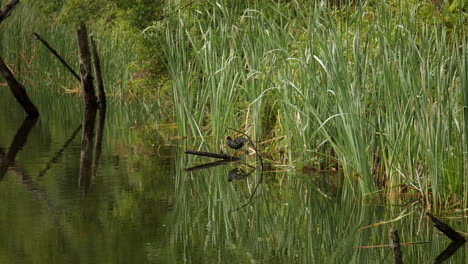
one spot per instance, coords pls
(446, 229)
(18, 90)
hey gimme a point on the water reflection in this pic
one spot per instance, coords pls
(87, 147)
(8, 159)
(449, 251)
(238, 174)
(296, 218)
(55, 158)
(141, 208)
(90, 150)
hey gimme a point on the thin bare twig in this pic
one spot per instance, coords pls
(251, 196)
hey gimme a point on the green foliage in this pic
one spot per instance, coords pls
(136, 13)
(459, 5)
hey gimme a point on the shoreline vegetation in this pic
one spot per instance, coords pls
(375, 89)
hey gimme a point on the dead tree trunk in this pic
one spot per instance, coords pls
(18, 90)
(89, 95)
(6, 10)
(97, 72)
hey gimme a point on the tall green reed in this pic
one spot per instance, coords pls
(371, 86)
(464, 84)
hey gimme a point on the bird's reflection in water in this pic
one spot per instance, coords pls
(237, 174)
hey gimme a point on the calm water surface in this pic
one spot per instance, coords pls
(139, 204)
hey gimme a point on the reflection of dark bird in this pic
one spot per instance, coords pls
(237, 174)
(236, 143)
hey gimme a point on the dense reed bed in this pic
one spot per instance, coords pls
(379, 88)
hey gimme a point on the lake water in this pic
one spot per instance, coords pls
(138, 203)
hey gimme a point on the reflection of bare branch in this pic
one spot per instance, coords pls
(8, 160)
(449, 251)
(257, 153)
(209, 165)
(212, 155)
(25, 180)
(17, 144)
(59, 152)
(251, 196)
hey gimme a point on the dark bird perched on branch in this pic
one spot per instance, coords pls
(236, 143)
